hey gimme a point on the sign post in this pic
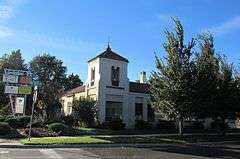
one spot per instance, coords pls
(34, 102)
(17, 83)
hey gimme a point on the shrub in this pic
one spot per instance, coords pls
(24, 121)
(116, 124)
(37, 124)
(5, 128)
(58, 128)
(166, 124)
(141, 124)
(218, 124)
(69, 120)
(197, 125)
(12, 121)
(84, 111)
(2, 118)
(41, 132)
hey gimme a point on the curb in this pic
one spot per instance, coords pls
(85, 146)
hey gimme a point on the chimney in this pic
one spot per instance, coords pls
(143, 78)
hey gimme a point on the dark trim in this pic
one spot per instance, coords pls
(114, 87)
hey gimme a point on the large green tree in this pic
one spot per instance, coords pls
(72, 81)
(172, 82)
(51, 73)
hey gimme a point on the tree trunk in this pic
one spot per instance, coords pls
(180, 126)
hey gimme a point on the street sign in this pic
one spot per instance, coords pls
(25, 80)
(19, 105)
(10, 78)
(24, 90)
(16, 72)
(11, 90)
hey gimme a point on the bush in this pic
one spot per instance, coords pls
(69, 120)
(58, 128)
(24, 121)
(114, 124)
(5, 128)
(40, 132)
(195, 125)
(141, 124)
(37, 124)
(84, 111)
(166, 124)
(2, 118)
(12, 121)
(218, 124)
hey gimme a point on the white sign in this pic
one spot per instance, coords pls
(16, 72)
(10, 78)
(19, 105)
(11, 90)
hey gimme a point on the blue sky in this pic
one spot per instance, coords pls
(77, 30)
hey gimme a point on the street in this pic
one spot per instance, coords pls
(172, 151)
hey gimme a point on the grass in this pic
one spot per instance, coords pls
(130, 139)
(64, 140)
(97, 140)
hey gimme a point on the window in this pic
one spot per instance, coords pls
(138, 111)
(92, 76)
(115, 76)
(113, 110)
(69, 107)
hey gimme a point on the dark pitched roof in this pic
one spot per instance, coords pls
(139, 87)
(109, 54)
(78, 89)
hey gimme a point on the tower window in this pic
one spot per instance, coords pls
(115, 76)
(92, 76)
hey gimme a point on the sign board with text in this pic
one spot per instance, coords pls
(24, 90)
(11, 90)
(19, 105)
(8, 78)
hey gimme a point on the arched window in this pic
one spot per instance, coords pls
(115, 76)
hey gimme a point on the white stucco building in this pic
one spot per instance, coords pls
(116, 96)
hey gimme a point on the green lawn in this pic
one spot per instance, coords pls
(130, 139)
(64, 140)
(97, 140)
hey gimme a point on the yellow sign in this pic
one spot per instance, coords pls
(24, 90)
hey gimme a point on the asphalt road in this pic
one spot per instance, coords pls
(159, 152)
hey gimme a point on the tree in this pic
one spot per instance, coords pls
(72, 81)
(171, 85)
(85, 111)
(206, 77)
(14, 60)
(52, 74)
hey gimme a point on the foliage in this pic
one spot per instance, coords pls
(72, 81)
(172, 83)
(69, 120)
(52, 74)
(141, 124)
(84, 111)
(12, 121)
(116, 124)
(195, 125)
(58, 128)
(166, 124)
(5, 129)
(23, 121)
(2, 118)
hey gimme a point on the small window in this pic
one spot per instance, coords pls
(115, 76)
(113, 110)
(92, 76)
(151, 115)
